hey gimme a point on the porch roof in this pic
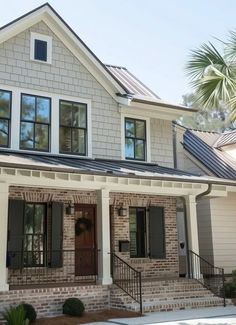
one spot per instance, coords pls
(118, 168)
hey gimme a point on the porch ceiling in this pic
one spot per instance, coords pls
(115, 176)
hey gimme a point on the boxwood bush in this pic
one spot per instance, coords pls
(30, 312)
(73, 307)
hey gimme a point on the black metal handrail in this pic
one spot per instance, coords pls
(127, 278)
(51, 267)
(209, 275)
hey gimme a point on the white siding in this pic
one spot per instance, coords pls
(223, 212)
(205, 230)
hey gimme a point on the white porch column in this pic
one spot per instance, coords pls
(3, 229)
(103, 237)
(192, 230)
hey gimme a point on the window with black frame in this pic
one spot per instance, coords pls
(137, 230)
(5, 118)
(34, 234)
(73, 127)
(135, 139)
(35, 122)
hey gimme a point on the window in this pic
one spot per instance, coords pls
(41, 48)
(5, 117)
(35, 122)
(73, 127)
(135, 139)
(137, 228)
(34, 234)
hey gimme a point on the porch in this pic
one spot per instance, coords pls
(46, 257)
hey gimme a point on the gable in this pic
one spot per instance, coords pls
(57, 25)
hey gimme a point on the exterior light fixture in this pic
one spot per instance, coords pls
(70, 209)
(122, 212)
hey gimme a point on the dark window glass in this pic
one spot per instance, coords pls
(137, 230)
(5, 117)
(35, 122)
(135, 139)
(34, 234)
(73, 127)
(40, 50)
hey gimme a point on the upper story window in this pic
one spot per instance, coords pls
(5, 117)
(35, 122)
(135, 139)
(41, 48)
(73, 128)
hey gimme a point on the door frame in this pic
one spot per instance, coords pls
(94, 206)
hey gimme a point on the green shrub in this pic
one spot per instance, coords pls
(15, 316)
(30, 312)
(73, 307)
(229, 290)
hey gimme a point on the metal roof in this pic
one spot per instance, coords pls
(134, 86)
(86, 165)
(116, 168)
(226, 139)
(200, 144)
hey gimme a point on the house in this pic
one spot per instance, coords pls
(87, 178)
(212, 153)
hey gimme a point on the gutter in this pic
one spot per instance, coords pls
(208, 191)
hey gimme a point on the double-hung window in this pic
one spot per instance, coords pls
(137, 226)
(73, 127)
(35, 122)
(135, 139)
(34, 234)
(5, 118)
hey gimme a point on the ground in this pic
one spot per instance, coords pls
(86, 318)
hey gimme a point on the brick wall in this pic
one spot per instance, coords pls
(49, 301)
(120, 231)
(119, 225)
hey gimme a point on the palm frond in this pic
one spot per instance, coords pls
(203, 58)
(230, 49)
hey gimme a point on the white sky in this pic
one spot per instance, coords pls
(152, 38)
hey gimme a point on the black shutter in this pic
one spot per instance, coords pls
(15, 234)
(57, 234)
(156, 232)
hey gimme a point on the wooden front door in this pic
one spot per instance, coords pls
(85, 240)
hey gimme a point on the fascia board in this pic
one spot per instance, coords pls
(151, 111)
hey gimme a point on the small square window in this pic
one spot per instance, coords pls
(40, 50)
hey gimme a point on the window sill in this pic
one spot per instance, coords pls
(40, 61)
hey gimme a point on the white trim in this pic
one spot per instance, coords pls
(153, 111)
(148, 138)
(54, 127)
(41, 37)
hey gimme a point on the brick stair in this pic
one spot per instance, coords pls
(167, 295)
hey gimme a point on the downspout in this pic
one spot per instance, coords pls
(174, 143)
(199, 196)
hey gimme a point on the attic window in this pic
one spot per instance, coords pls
(41, 48)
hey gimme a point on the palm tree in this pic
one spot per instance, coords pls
(213, 74)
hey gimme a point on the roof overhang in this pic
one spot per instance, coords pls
(62, 30)
(88, 181)
(155, 109)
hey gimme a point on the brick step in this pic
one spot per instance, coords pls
(170, 305)
(166, 296)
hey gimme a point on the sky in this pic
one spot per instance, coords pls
(152, 38)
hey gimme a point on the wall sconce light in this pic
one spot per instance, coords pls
(70, 209)
(122, 212)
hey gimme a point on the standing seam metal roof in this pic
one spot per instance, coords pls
(218, 162)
